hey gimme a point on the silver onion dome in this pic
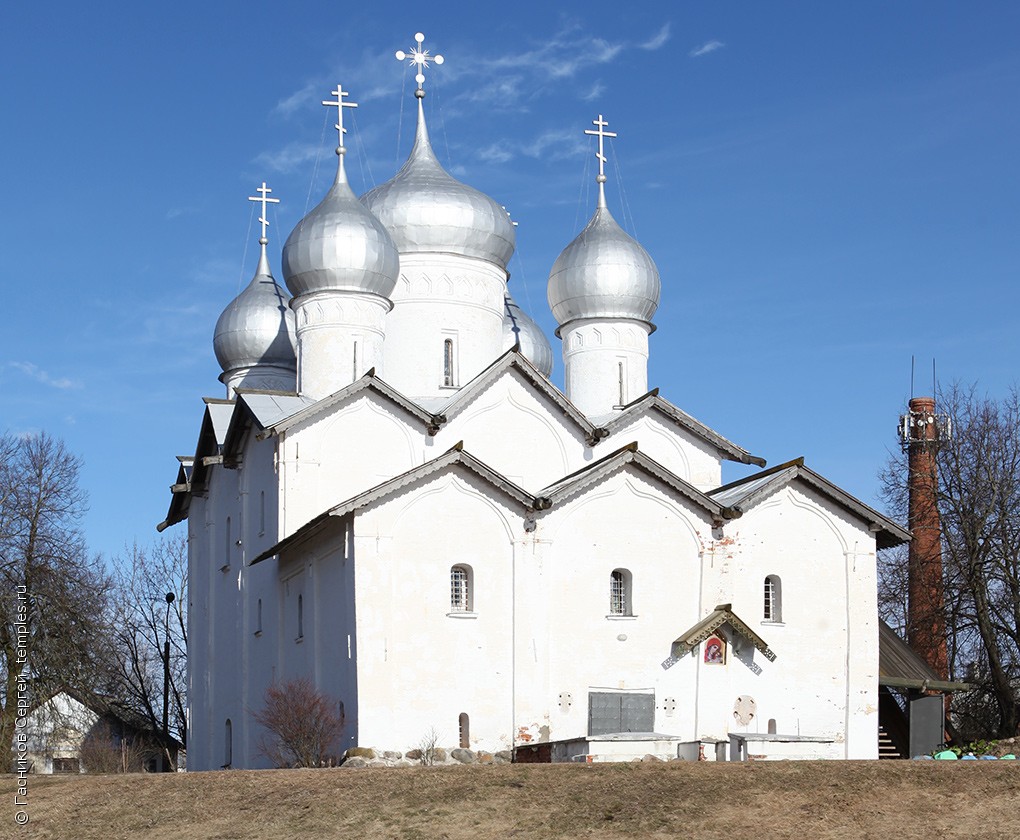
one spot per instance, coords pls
(521, 331)
(340, 246)
(257, 328)
(427, 209)
(603, 273)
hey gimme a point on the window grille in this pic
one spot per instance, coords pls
(464, 730)
(448, 377)
(460, 594)
(618, 595)
(772, 607)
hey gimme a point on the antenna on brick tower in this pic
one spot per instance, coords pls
(921, 432)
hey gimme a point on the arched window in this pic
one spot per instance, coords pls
(464, 728)
(228, 746)
(772, 726)
(620, 595)
(449, 377)
(773, 599)
(460, 589)
(300, 616)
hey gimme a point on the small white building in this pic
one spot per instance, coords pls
(394, 501)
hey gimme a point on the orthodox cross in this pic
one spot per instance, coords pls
(420, 57)
(600, 132)
(339, 104)
(266, 200)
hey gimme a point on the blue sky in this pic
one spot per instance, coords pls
(826, 188)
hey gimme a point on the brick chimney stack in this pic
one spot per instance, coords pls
(926, 622)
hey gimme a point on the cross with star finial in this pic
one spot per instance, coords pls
(266, 200)
(339, 104)
(600, 132)
(420, 56)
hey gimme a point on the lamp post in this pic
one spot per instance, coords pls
(166, 671)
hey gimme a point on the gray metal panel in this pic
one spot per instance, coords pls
(927, 723)
(610, 712)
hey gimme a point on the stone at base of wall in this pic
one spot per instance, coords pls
(357, 757)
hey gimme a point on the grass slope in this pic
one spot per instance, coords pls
(803, 800)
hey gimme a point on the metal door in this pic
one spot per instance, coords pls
(610, 712)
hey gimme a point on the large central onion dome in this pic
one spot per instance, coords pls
(522, 332)
(257, 328)
(340, 246)
(604, 273)
(427, 209)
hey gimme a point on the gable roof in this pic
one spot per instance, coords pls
(747, 492)
(263, 409)
(722, 614)
(514, 360)
(209, 449)
(456, 456)
(631, 455)
(900, 667)
(653, 402)
(369, 382)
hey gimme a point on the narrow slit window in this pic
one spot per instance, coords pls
(619, 380)
(300, 616)
(262, 512)
(228, 745)
(460, 589)
(258, 617)
(464, 729)
(354, 364)
(448, 377)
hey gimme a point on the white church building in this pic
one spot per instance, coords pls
(395, 502)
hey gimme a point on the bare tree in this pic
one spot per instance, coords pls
(978, 477)
(52, 593)
(303, 725)
(148, 629)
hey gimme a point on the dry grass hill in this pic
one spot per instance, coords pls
(802, 800)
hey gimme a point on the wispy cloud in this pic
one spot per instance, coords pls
(496, 153)
(659, 39)
(555, 145)
(289, 158)
(596, 91)
(39, 375)
(706, 48)
(309, 92)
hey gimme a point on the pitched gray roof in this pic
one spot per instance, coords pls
(900, 667)
(744, 494)
(630, 455)
(513, 359)
(653, 402)
(453, 457)
(370, 382)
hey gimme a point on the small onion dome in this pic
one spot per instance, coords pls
(603, 273)
(427, 209)
(519, 330)
(340, 246)
(257, 328)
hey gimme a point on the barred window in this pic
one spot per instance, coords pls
(449, 375)
(620, 592)
(773, 610)
(460, 589)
